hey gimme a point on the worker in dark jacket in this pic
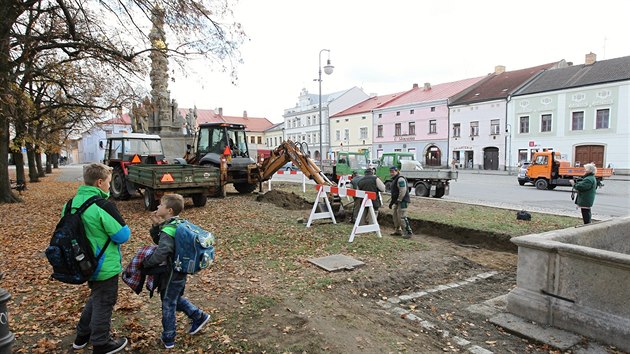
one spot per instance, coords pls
(400, 201)
(371, 183)
(586, 191)
(354, 182)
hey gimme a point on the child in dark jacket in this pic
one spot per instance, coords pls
(171, 284)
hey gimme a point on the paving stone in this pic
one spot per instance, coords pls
(554, 337)
(461, 341)
(336, 262)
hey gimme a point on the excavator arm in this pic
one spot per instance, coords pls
(290, 151)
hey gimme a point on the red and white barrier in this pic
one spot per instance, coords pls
(373, 226)
(289, 173)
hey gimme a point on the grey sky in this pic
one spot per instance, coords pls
(386, 46)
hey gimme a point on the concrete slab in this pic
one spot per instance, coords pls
(554, 337)
(336, 262)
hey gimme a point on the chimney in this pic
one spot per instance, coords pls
(499, 69)
(427, 86)
(244, 114)
(415, 86)
(221, 111)
(590, 58)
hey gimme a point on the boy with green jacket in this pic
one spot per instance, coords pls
(102, 222)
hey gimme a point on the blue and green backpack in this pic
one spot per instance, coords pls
(194, 248)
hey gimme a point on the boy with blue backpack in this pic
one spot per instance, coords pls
(171, 284)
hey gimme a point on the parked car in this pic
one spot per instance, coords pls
(522, 173)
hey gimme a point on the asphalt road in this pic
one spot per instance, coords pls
(502, 190)
(499, 190)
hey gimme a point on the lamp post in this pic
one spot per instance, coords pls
(508, 130)
(328, 69)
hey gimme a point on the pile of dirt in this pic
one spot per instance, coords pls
(290, 201)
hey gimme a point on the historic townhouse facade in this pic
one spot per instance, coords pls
(581, 111)
(479, 133)
(351, 129)
(417, 122)
(302, 122)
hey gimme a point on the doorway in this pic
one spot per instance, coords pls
(491, 158)
(589, 153)
(433, 157)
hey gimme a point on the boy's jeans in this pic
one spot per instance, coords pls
(96, 317)
(172, 300)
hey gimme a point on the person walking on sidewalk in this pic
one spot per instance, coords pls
(586, 191)
(400, 201)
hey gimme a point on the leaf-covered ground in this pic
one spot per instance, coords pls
(262, 293)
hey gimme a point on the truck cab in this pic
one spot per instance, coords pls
(345, 163)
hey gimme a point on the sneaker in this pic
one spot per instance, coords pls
(168, 344)
(396, 233)
(196, 326)
(80, 342)
(407, 235)
(113, 346)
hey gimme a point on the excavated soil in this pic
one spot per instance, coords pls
(290, 201)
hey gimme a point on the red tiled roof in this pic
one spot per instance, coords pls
(501, 85)
(433, 93)
(125, 119)
(252, 124)
(369, 104)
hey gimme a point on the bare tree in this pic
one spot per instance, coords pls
(110, 35)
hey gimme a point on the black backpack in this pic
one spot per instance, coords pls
(70, 252)
(523, 215)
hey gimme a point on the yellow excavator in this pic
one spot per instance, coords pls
(289, 151)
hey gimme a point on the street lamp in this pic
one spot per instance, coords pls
(508, 130)
(328, 69)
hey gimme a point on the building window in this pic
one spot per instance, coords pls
(346, 134)
(577, 120)
(380, 115)
(397, 129)
(398, 113)
(432, 126)
(494, 127)
(362, 117)
(474, 128)
(432, 109)
(252, 140)
(411, 111)
(260, 140)
(308, 120)
(545, 123)
(523, 125)
(412, 128)
(602, 120)
(337, 135)
(363, 132)
(308, 138)
(379, 131)
(456, 130)
(275, 141)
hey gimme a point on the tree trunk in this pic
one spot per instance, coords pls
(6, 194)
(55, 160)
(18, 159)
(38, 163)
(32, 170)
(49, 163)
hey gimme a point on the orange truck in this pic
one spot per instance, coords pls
(548, 170)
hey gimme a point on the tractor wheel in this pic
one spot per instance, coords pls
(199, 199)
(541, 183)
(521, 183)
(150, 203)
(118, 187)
(244, 188)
